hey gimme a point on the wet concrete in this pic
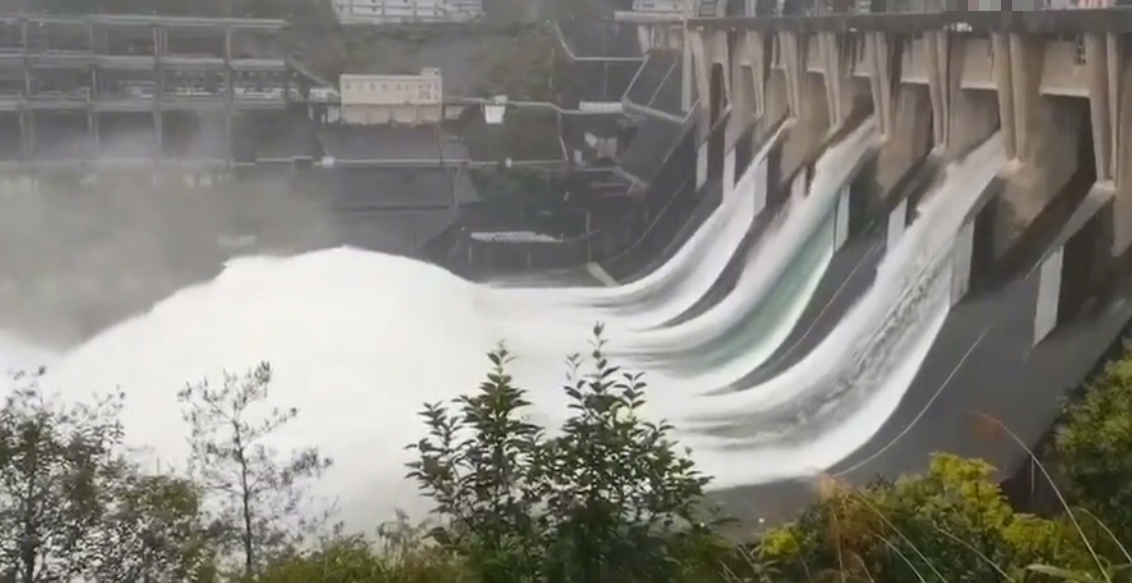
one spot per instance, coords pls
(983, 362)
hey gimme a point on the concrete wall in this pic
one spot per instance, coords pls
(1122, 205)
(910, 138)
(1046, 164)
(941, 93)
(810, 128)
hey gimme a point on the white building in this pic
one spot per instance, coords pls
(372, 12)
(675, 7)
(385, 99)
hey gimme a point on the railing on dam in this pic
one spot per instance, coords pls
(826, 7)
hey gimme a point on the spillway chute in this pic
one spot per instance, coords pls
(871, 358)
(693, 268)
(806, 217)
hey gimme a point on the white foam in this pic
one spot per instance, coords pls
(359, 341)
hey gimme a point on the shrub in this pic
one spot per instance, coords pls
(609, 497)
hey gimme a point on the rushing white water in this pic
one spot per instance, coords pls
(902, 277)
(359, 341)
(838, 397)
(661, 295)
(808, 221)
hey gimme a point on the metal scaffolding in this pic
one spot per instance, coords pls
(134, 71)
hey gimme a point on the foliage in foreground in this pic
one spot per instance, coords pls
(607, 496)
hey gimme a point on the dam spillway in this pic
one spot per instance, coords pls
(858, 262)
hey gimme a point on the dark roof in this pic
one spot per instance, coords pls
(646, 153)
(599, 39)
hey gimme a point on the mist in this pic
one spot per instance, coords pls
(83, 248)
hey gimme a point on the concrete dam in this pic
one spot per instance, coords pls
(833, 241)
(998, 144)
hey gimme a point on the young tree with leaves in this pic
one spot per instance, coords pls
(73, 507)
(261, 491)
(1092, 446)
(57, 467)
(156, 526)
(609, 498)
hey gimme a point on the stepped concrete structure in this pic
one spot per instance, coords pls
(1040, 289)
(1057, 83)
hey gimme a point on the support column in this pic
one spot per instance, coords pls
(794, 62)
(1003, 82)
(755, 49)
(743, 109)
(1122, 169)
(941, 83)
(1114, 64)
(879, 55)
(158, 96)
(702, 67)
(25, 132)
(719, 53)
(96, 133)
(158, 130)
(31, 135)
(1026, 65)
(832, 67)
(91, 135)
(229, 99)
(1096, 63)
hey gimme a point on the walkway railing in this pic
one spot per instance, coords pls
(826, 7)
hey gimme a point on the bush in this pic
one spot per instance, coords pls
(609, 498)
(951, 523)
(1094, 447)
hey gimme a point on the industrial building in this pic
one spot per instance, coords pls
(384, 99)
(130, 87)
(375, 12)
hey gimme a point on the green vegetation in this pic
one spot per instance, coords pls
(607, 497)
